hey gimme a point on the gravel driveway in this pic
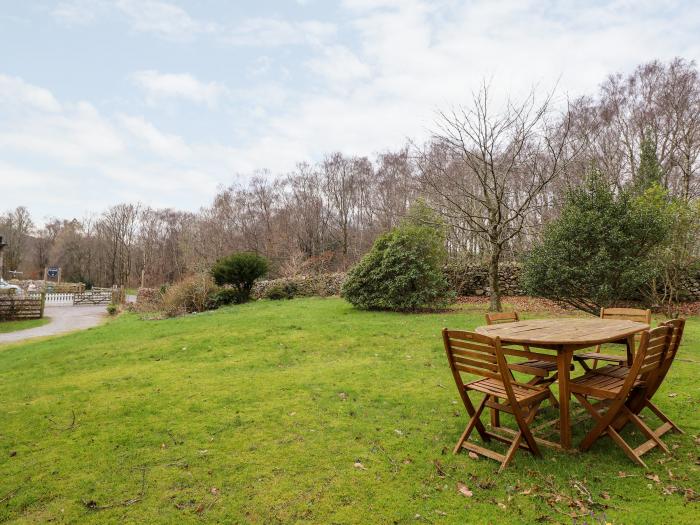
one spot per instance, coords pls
(63, 319)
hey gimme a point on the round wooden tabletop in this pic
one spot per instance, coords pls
(564, 331)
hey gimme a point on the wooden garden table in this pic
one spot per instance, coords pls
(566, 336)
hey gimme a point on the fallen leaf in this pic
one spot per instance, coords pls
(464, 490)
(343, 396)
(622, 474)
(214, 491)
(653, 477)
(200, 508)
(473, 455)
(440, 513)
(672, 394)
(398, 432)
(605, 495)
(359, 465)
(502, 505)
(526, 492)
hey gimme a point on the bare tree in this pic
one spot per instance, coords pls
(16, 226)
(340, 183)
(484, 169)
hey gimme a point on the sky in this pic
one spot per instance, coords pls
(164, 101)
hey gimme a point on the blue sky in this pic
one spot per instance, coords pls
(163, 101)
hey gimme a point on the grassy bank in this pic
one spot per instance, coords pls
(296, 411)
(14, 326)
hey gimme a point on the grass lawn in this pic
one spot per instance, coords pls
(14, 326)
(297, 411)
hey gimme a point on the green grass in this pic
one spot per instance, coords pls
(14, 326)
(292, 412)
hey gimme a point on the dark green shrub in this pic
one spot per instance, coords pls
(402, 272)
(112, 309)
(280, 291)
(599, 251)
(226, 296)
(240, 270)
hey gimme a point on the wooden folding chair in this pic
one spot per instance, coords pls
(629, 314)
(616, 392)
(539, 369)
(641, 399)
(472, 353)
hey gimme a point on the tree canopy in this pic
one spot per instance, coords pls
(599, 251)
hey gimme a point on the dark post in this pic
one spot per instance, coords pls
(2, 246)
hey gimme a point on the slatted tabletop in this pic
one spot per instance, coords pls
(572, 331)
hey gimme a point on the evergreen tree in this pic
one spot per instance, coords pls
(649, 172)
(599, 251)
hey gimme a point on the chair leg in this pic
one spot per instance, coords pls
(625, 447)
(470, 410)
(648, 432)
(495, 415)
(663, 417)
(595, 361)
(590, 438)
(515, 445)
(470, 426)
(604, 426)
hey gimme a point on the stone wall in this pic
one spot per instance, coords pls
(690, 287)
(322, 285)
(473, 279)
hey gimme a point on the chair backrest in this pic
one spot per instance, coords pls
(628, 314)
(501, 317)
(677, 326)
(649, 358)
(472, 353)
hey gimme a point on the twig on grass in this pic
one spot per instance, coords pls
(92, 504)
(69, 427)
(10, 495)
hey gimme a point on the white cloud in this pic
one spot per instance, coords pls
(178, 85)
(78, 135)
(16, 92)
(163, 144)
(79, 12)
(338, 65)
(274, 32)
(163, 19)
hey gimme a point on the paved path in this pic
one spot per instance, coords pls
(63, 319)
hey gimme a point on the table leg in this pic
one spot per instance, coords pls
(564, 357)
(630, 350)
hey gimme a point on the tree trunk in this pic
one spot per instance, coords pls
(495, 305)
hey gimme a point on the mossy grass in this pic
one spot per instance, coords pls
(302, 411)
